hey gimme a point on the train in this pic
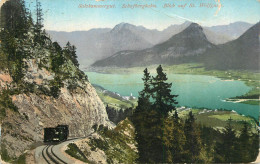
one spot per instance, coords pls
(57, 134)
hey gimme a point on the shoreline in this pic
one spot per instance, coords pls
(249, 78)
(240, 100)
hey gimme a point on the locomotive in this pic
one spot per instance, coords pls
(58, 134)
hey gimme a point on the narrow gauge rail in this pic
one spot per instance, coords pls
(51, 156)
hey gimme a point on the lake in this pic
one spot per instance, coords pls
(194, 90)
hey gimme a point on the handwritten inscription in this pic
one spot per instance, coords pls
(191, 5)
(142, 4)
(133, 6)
(96, 6)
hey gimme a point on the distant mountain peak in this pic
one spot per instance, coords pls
(184, 24)
(194, 31)
(122, 26)
(187, 22)
(193, 27)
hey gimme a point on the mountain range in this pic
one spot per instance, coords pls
(97, 44)
(192, 45)
(189, 43)
(242, 53)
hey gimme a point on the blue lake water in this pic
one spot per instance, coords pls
(193, 90)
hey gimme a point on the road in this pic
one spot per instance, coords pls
(55, 154)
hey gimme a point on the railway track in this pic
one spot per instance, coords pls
(50, 157)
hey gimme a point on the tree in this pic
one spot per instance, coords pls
(176, 117)
(147, 82)
(174, 140)
(149, 118)
(39, 36)
(112, 114)
(55, 86)
(179, 138)
(74, 56)
(244, 143)
(144, 96)
(161, 92)
(164, 101)
(95, 127)
(15, 20)
(254, 148)
(128, 112)
(149, 137)
(57, 58)
(141, 119)
(15, 24)
(70, 51)
(147, 122)
(120, 115)
(208, 138)
(39, 18)
(193, 141)
(226, 148)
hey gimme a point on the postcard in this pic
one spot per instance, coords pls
(129, 81)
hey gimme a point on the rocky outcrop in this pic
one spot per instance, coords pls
(80, 108)
(5, 80)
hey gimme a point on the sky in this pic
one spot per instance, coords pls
(65, 15)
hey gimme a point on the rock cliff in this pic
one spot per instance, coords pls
(80, 108)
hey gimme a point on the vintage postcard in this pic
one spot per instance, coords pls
(129, 81)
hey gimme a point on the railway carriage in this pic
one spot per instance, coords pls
(58, 134)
